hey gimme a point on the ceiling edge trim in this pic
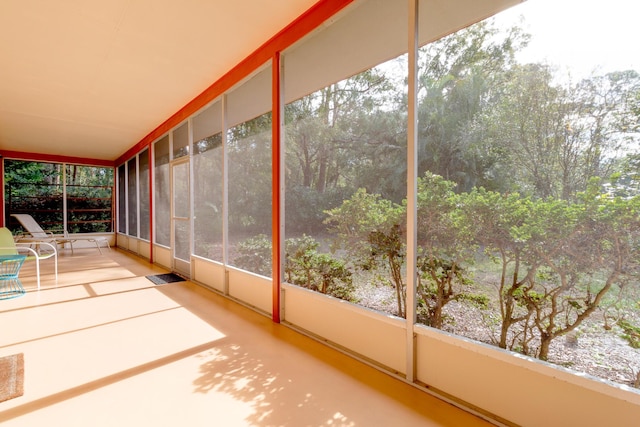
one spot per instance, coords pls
(314, 17)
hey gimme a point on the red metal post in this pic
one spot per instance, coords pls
(276, 195)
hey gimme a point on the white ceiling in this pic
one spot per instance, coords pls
(90, 79)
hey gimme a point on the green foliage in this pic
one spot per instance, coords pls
(479, 300)
(37, 189)
(445, 247)
(441, 281)
(576, 252)
(304, 266)
(631, 333)
(357, 218)
(254, 254)
(386, 248)
(321, 272)
(303, 215)
(370, 229)
(558, 258)
(18, 171)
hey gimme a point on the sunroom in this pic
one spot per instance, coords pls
(418, 184)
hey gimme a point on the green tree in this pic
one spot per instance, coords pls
(304, 265)
(445, 245)
(625, 182)
(31, 178)
(460, 77)
(371, 230)
(254, 254)
(585, 249)
(324, 128)
(556, 135)
(496, 220)
(346, 136)
(321, 272)
(558, 259)
(38, 189)
(249, 150)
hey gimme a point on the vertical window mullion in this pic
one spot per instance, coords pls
(225, 193)
(137, 195)
(64, 197)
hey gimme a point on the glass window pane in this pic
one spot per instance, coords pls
(346, 160)
(143, 174)
(182, 231)
(162, 191)
(122, 199)
(34, 188)
(181, 141)
(89, 199)
(181, 190)
(132, 197)
(181, 211)
(249, 148)
(527, 166)
(207, 186)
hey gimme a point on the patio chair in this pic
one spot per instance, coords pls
(37, 234)
(9, 247)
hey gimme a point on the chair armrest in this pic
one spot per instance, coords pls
(57, 234)
(21, 235)
(17, 249)
(27, 247)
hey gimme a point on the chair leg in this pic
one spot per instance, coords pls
(99, 241)
(38, 272)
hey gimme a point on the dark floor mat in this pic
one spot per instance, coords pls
(161, 279)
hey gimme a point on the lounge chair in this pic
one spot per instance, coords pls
(9, 247)
(37, 234)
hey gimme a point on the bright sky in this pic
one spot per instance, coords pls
(582, 34)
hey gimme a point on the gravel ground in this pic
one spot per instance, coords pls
(591, 349)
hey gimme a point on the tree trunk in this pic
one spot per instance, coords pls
(504, 330)
(306, 167)
(322, 169)
(397, 279)
(507, 318)
(436, 316)
(545, 343)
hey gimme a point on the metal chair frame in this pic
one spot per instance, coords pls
(10, 284)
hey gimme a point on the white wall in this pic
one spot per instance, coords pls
(162, 256)
(123, 241)
(250, 288)
(208, 273)
(132, 244)
(520, 389)
(377, 337)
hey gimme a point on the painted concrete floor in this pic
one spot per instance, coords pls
(106, 347)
